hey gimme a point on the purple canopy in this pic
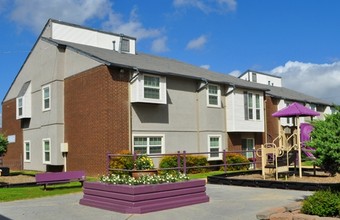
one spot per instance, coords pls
(295, 109)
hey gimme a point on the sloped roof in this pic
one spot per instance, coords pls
(292, 95)
(165, 66)
(155, 64)
(295, 109)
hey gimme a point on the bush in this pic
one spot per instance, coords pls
(122, 162)
(234, 158)
(3, 144)
(324, 203)
(325, 138)
(191, 161)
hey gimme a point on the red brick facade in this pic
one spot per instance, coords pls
(96, 118)
(272, 122)
(11, 126)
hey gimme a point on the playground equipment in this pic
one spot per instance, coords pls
(278, 155)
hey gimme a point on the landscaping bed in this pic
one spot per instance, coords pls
(308, 182)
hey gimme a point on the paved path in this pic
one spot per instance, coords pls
(226, 202)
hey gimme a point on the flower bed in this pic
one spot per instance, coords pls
(143, 198)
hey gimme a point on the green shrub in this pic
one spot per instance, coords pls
(196, 160)
(169, 162)
(234, 158)
(122, 162)
(3, 144)
(324, 203)
(191, 161)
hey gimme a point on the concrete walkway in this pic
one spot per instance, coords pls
(226, 202)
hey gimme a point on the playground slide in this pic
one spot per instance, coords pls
(305, 130)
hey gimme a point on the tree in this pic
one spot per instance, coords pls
(325, 138)
(3, 144)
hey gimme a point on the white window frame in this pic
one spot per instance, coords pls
(20, 107)
(29, 151)
(44, 108)
(137, 90)
(250, 106)
(219, 147)
(148, 136)
(152, 87)
(218, 95)
(44, 151)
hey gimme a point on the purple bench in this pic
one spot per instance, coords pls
(59, 177)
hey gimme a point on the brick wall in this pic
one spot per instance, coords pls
(96, 118)
(11, 126)
(272, 122)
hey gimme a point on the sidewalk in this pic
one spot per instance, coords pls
(226, 202)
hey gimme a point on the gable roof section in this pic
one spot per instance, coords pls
(154, 64)
(291, 95)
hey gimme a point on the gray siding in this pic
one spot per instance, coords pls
(185, 121)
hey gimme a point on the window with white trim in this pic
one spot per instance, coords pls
(252, 106)
(46, 150)
(19, 107)
(147, 88)
(23, 101)
(254, 77)
(257, 106)
(151, 87)
(214, 96)
(27, 151)
(148, 144)
(248, 147)
(215, 146)
(46, 98)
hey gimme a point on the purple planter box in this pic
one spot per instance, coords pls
(143, 198)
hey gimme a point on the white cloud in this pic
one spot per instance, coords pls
(219, 6)
(235, 73)
(132, 27)
(206, 66)
(35, 13)
(318, 80)
(159, 45)
(197, 43)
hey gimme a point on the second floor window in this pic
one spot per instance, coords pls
(213, 96)
(125, 45)
(20, 106)
(151, 87)
(252, 106)
(46, 98)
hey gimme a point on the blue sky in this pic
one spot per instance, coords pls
(297, 40)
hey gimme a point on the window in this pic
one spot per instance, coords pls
(252, 108)
(254, 77)
(148, 144)
(257, 106)
(214, 144)
(250, 105)
(23, 101)
(248, 147)
(47, 150)
(46, 98)
(151, 87)
(125, 45)
(20, 106)
(147, 88)
(214, 96)
(27, 151)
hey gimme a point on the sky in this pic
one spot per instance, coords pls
(296, 40)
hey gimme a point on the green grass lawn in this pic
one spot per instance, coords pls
(30, 192)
